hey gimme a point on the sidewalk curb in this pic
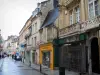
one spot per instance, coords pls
(36, 69)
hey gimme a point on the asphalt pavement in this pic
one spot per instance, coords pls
(12, 67)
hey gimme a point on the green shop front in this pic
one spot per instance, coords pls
(72, 52)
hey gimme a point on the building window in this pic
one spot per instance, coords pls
(49, 33)
(41, 35)
(27, 41)
(33, 29)
(30, 29)
(32, 42)
(77, 14)
(93, 8)
(96, 3)
(35, 26)
(35, 41)
(71, 17)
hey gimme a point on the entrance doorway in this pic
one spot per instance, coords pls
(36, 58)
(33, 55)
(95, 55)
(46, 58)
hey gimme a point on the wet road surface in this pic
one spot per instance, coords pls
(11, 67)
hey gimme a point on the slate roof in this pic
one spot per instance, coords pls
(51, 17)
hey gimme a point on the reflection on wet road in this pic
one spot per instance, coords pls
(11, 67)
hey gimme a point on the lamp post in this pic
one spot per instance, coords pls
(61, 69)
(40, 68)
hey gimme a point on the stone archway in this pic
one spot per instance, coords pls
(95, 54)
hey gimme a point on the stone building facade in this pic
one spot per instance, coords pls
(30, 35)
(48, 32)
(79, 35)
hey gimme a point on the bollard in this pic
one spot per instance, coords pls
(61, 71)
(40, 68)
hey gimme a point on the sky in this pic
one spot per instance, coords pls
(14, 14)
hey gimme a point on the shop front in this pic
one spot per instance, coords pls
(47, 55)
(73, 53)
(28, 55)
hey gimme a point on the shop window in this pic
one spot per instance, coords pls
(46, 58)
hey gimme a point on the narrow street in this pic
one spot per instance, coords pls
(11, 67)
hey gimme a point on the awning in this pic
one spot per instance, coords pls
(51, 17)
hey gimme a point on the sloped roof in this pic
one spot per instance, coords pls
(51, 17)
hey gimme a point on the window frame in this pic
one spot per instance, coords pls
(35, 41)
(71, 17)
(94, 11)
(35, 26)
(78, 12)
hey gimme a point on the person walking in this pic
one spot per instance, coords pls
(15, 57)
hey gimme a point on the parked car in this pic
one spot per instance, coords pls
(18, 58)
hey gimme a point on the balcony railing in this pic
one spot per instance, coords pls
(90, 24)
(67, 2)
(28, 34)
(80, 27)
(74, 28)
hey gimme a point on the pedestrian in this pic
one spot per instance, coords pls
(21, 58)
(0, 56)
(15, 57)
(12, 56)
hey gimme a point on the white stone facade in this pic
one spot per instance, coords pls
(38, 20)
(11, 44)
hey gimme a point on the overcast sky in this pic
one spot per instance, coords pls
(14, 14)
